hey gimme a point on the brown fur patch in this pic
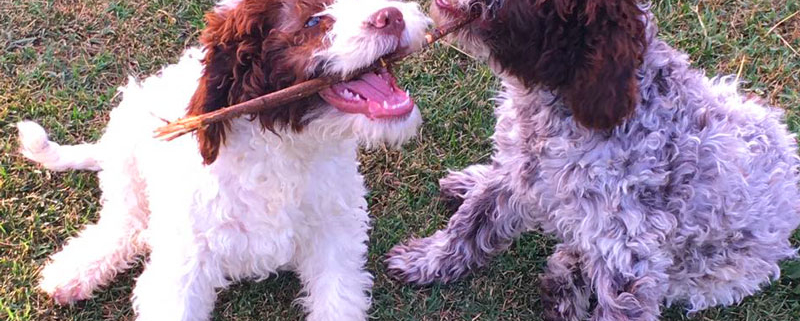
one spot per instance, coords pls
(256, 48)
(588, 50)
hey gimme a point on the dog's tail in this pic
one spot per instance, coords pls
(35, 145)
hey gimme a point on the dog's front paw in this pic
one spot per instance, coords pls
(407, 264)
(451, 187)
(423, 261)
(458, 184)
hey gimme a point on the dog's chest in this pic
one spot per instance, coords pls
(573, 178)
(267, 213)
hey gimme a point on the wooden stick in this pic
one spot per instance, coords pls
(302, 90)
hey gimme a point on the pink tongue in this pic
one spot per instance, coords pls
(375, 89)
(378, 83)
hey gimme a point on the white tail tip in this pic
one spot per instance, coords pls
(32, 139)
(35, 145)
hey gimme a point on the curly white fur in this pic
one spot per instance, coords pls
(294, 201)
(353, 48)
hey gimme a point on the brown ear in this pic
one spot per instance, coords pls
(587, 50)
(234, 67)
(604, 89)
(212, 94)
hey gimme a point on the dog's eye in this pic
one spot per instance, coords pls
(313, 21)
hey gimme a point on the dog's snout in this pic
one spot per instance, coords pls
(388, 21)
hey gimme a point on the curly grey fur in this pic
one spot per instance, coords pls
(692, 199)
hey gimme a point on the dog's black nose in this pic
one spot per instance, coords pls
(388, 21)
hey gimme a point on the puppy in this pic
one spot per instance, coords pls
(661, 184)
(279, 190)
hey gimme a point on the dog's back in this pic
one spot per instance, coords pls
(732, 180)
(145, 106)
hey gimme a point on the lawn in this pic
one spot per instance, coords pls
(61, 60)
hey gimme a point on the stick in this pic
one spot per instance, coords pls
(302, 90)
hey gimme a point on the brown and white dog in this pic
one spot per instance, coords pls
(262, 193)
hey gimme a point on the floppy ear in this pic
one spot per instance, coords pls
(212, 94)
(603, 89)
(588, 50)
(235, 67)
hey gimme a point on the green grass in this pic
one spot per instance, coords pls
(60, 62)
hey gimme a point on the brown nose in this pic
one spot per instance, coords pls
(388, 21)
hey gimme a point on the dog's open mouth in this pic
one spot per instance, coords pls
(374, 94)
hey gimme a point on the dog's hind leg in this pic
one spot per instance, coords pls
(630, 281)
(483, 226)
(564, 292)
(101, 250)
